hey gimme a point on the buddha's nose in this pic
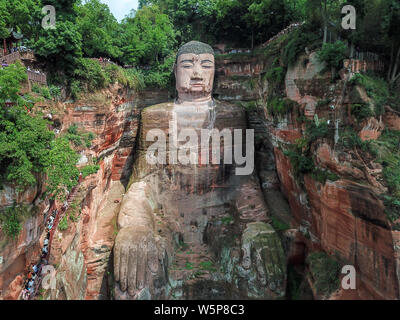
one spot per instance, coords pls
(196, 71)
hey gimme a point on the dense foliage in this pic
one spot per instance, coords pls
(149, 37)
(28, 148)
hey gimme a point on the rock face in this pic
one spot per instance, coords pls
(87, 243)
(81, 253)
(16, 255)
(345, 218)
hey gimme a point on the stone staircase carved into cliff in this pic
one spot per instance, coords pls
(60, 213)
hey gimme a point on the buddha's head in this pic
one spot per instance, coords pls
(194, 72)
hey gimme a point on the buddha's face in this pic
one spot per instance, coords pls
(195, 75)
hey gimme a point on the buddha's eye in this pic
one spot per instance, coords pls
(186, 66)
(207, 66)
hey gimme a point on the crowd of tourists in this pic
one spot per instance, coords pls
(34, 275)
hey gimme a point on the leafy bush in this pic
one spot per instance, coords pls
(388, 154)
(63, 225)
(376, 88)
(226, 220)
(392, 207)
(61, 170)
(73, 129)
(42, 90)
(301, 164)
(189, 266)
(279, 107)
(325, 272)
(279, 225)
(350, 139)
(88, 138)
(276, 75)
(391, 174)
(24, 137)
(55, 92)
(297, 42)
(91, 74)
(300, 155)
(10, 220)
(361, 112)
(323, 175)
(75, 139)
(12, 226)
(130, 78)
(90, 169)
(317, 129)
(36, 88)
(79, 138)
(332, 54)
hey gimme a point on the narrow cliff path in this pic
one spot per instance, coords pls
(57, 214)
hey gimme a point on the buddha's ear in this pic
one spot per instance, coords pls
(174, 69)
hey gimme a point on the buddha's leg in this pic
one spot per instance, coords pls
(262, 264)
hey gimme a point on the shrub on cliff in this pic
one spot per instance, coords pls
(298, 41)
(10, 220)
(389, 156)
(90, 169)
(325, 272)
(62, 173)
(361, 112)
(79, 138)
(300, 154)
(301, 163)
(276, 75)
(279, 106)
(332, 54)
(376, 88)
(129, 78)
(91, 74)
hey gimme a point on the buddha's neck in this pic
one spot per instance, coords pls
(193, 99)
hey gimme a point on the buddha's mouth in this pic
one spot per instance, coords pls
(197, 85)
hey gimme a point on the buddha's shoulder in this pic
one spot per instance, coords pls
(159, 108)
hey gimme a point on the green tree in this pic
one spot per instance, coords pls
(267, 18)
(27, 146)
(333, 54)
(20, 15)
(23, 138)
(99, 30)
(324, 12)
(392, 26)
(60, 47)
(61, 169)
(66, 9)
(148, 37)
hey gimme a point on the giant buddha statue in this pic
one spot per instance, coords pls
(193, 222)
